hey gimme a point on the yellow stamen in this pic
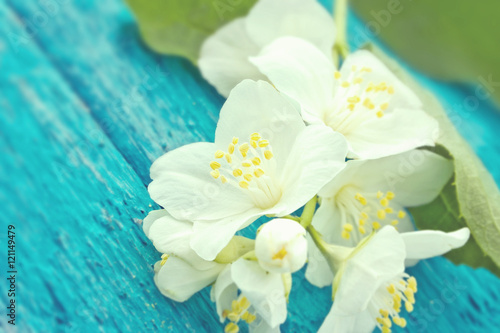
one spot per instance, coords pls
(231, 328)
(384, 202)
(256, 161)
(368, 104)
(164, 258)
(381, 214)
(354, 99)
(357, 80)
(401, 214)
(259, 172)
(219, 154)
(380, 114)
(345, 234)
(268, 154)
(244, 148)
(230, 148)
(376, 225)
(235, 141)
(237, 172)
(255, 136)
(280, 254)
(409, 307)
(412, 284)
(401, 322)
(263, 143)
(248, 177)
(243, 184)
(348, 227)
(233, 316)
(215, 173)
(229, 159)
(391, 289)
(215, 165)
(337, 75)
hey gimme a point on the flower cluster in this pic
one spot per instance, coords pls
(347, 144)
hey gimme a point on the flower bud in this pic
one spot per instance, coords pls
(281, 246)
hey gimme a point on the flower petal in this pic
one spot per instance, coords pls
(307, 19)
(264, 290)
(394, 133)
(210, 237)
(258, 107)
(301, 71)
(262, 327)
(359, 323)
(416, 177)
(172, 236)
(317, 156)
(378, 261)
(224, 57)
(182, 183)
(178, 280)
(224, 292)
(151, 218)
(425, 244)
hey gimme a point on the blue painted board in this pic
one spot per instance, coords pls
(85, 109)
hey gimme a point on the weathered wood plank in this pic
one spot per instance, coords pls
(85, 63)
(84, 264)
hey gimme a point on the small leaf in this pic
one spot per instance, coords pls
(470, 199)
(179, 27)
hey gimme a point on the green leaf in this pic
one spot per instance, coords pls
(179, 27)
(452, 40)
(470, 199)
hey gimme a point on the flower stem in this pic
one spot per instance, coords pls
(308, 212)
(340, 49)
(318, 240)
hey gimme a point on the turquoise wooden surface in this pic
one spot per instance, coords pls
(85, 109)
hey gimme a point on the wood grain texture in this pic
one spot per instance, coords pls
(85, 109)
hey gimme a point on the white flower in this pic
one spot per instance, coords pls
(281, 246)
(224, 58)
(181, 272)
(264, 161)
(262, 300)
(378, 114)
(370, 194)
(370, 287)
